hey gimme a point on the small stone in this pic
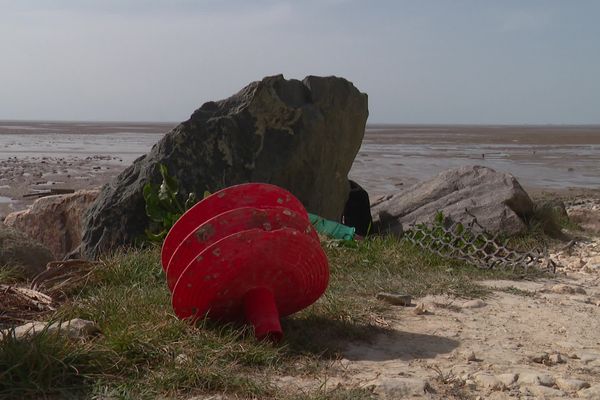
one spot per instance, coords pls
(489, 382)
(400, 387)
(420, 309)
(477, 303)
(587, 358)
(534, 378)
(472, 357)
(561, 288)
(571, 385)
(542, 358)
(543, 392)
(74, 329)
(395, 299)
(507, 379)
(592, 392)
(182, 359)
(556, 358)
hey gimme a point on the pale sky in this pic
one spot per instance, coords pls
(420, 61)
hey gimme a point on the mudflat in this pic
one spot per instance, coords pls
(38, 156)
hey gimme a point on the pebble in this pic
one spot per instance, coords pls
(395, 299)
(401, 387)
(420, 309)
(477, 303)
(472, 357)
(561, 288)
(587, 358)
(571, 385)
(534, 378)
(542, 358)
(74, 329)
(548, 359)
(590, 393)
(508, 379)
(556, 358)
(182, 358)
(489, 382)
(542, 392)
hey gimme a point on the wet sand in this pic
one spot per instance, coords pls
(541, 157)
(37, 156)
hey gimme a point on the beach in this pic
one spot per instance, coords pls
(38, 156)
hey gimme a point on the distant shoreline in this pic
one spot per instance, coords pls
(78, 155)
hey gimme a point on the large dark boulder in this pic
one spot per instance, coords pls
(496, 199)
(301, 135)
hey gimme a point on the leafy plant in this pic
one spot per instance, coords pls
(163, 206)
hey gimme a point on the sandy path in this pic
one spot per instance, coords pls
(529, 340)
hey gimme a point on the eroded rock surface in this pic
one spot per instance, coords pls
(496, 199)
(55, 221)
(19, 251)
(301, 135)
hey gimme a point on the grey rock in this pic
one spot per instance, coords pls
(496, 199)
(300, 135)
(19, 251)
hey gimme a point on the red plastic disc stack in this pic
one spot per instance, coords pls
(246, 253)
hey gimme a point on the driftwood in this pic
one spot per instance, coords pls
(19, 304)
(48, 289)
(61, 277)
(49, 192)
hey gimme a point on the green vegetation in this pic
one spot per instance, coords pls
(163, 206)
(11, 274)
(146, 352)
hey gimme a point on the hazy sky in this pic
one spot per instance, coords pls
(422, 61)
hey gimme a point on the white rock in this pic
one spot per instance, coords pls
(535, 378)
(556, 358)
(542, 392)
(75, 329)
(561, 288)
(588, 357)
(489, 382)
(400, 387)
(476, 303)
(395, 299)
(508, 379)
(471, 356)
(420, 309)
(571, 385)
(590, 393)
